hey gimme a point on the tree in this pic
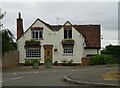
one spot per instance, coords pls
(113, 50)
(7, 41)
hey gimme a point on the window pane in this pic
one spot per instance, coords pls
(40, 34)
(70, 33)
(33, 53)
(65, 33)
(32, 34)
(68, 49)
(36, 34)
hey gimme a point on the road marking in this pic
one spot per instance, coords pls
(16, 78)
(13, 79)
(14, 73)
(1, 81)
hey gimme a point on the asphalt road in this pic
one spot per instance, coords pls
(46, 78)
(50, 78)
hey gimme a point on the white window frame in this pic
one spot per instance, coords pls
(68, 33)
(34, 36)
(31, 53)
(68, 50)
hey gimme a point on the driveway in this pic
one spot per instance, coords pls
(50, 77)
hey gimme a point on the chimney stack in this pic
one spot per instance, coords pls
(19, 26)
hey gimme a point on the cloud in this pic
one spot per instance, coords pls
(103, 13)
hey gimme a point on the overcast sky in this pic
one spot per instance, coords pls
(103, 13)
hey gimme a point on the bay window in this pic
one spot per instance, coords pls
(33, 53)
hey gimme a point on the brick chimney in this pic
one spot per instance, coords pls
(19, 26)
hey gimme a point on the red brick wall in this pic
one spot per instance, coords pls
(20, 31)
(86, 61)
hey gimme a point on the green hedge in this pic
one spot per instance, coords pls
(103, 59)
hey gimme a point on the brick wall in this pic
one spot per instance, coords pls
(10, 59)
(86, 61)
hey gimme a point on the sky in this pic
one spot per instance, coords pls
(103, 13)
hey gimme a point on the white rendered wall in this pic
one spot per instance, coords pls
(91, 51)
(54, 38)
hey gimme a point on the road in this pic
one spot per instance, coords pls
(45, 78)
(48, 78)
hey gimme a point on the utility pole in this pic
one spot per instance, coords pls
(1, 17)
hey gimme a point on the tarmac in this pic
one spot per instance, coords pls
(92, 78)
(84, 75)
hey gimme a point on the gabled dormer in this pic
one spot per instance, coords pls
(37, 32)
(67, 42)
(67, 30)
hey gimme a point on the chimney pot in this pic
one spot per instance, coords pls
(19, 15)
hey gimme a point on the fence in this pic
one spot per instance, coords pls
(10, 59)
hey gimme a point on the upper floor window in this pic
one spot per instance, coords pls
(37, 34)
(67, 33)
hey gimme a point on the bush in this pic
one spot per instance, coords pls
(97, 59)
(36, 63)
(27, 62)
(103, 59)
(67, 63)
(70, 63)
(64, 62)
(48, 59)
(48, 62)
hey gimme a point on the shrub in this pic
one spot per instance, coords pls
(97, 59)
(103, 59)
(70, 63)
(67, 63)
(109, 59)
(27, 62)
(48, 62)
(64, 62)
(35, 60)
(48, 59)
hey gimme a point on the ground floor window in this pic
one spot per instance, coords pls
(67, 49)
(33, 53)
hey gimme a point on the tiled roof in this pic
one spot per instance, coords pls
(91, 33)
(55, 27)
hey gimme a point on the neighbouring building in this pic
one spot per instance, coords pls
(60, 42)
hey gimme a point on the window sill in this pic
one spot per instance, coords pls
(38, 38)
(28, 58)
(68, 54)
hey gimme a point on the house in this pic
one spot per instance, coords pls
(60, 42)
